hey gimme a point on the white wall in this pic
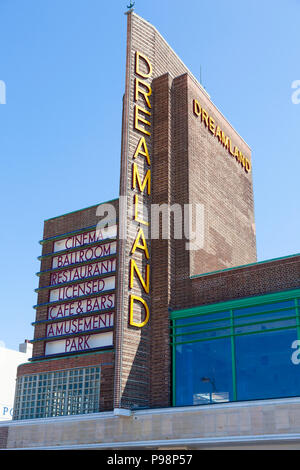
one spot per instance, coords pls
(9, 362)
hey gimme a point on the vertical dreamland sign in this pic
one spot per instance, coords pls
(80, 307)
(148, 57)
(134, 302)
(177, 149)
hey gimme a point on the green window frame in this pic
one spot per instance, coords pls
(229, 308)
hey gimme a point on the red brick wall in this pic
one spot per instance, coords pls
(162, 273)
(220, 183)
(3, 437)
(259, 279)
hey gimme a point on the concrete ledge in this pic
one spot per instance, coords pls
(153, 411)
(260, 423)
(122, 412)
(57, 419)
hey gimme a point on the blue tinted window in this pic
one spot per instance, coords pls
(204, 373)
(203, 335)
(264, 367)
(265, 326)
(265, 316)
(203, 326)
(259, 344)
(264, 308)
(200, 318)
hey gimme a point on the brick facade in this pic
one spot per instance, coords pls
(246, 281)
(3, 437)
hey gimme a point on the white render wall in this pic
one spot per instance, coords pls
(9, 362)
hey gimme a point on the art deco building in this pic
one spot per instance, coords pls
(155, 326)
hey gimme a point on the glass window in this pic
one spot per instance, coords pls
(243, 353)
(264, 308)
(264, 366)
(200, 318)
(56, 399)
(265, 316)
(265, 326)
(202, 327)
(203, 373)
(205, 334)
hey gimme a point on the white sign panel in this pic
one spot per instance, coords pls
(95, 304)
(79, 344)
(81, 325)
(79, 290)
(88, 270)
(82, 256)
(86, 238)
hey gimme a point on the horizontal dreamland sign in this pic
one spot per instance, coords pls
(83, 256)
(81, 290)
(81, 325)
(86, 238)
(82, 272)
(224, 140)
(79, 344)
(80, 307)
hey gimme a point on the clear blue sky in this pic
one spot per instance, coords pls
(63, 62)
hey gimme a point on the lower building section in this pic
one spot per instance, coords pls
(269, 424)
(240, 350)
